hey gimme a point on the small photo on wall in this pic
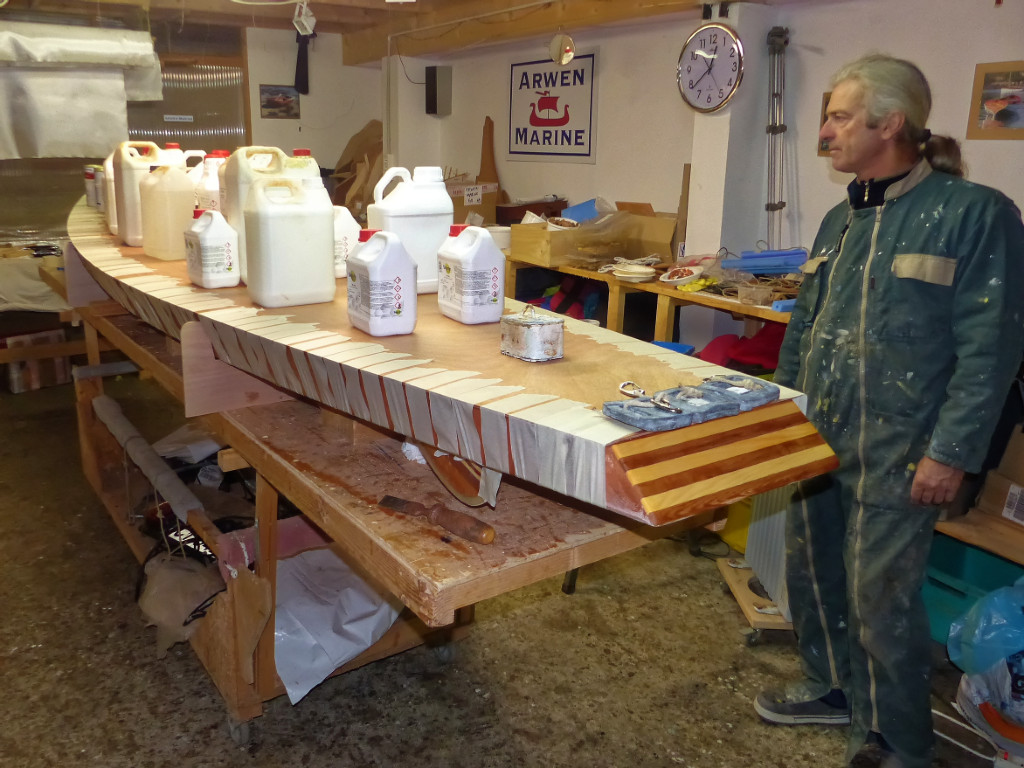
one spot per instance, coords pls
(279, 102)
(997, 101)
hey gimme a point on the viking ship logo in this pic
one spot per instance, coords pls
(544, 111)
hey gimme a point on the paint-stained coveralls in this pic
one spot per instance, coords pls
(905, 337)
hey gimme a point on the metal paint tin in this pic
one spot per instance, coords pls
(532, 337)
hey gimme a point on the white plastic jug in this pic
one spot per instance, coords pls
(346, 237)
(289, 231)
(132, 162)
(302, 165)
(109, 197)
(382, 287)
(471, 278)
(167, 200)
(418, 210)
(208, 182)
(173, 154)
(236, 175)
(211, 250)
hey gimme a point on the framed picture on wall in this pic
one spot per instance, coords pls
(823, 145)
(997, 101)
(279, 102)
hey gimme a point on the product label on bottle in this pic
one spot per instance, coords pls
(467, 287)
(211, 259)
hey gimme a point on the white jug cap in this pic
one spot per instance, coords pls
(427, 173)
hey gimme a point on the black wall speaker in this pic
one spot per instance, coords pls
(439, 91)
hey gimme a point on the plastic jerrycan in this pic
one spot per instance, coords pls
(346, 238)
(211, 251)
(289, 231)
(207, 182)
(109, 197)
(381, 286)
(132, 162)
(418, 210)
(471, 277)
(236, 175)
(167, 199)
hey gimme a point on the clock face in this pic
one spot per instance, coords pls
(710, 67)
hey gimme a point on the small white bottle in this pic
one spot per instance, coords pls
(471, 277)
(382, 287)
(211, 251)
(346, 238)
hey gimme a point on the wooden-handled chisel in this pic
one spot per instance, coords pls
(459, 523)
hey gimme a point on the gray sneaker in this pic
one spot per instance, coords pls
(781, 708)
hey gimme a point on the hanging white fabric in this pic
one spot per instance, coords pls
(66, 88)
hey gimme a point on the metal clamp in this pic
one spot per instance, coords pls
(631, 389)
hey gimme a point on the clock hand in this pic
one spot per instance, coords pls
(710, 64)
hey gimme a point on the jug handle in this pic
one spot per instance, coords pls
(389, 175)
(190, 153)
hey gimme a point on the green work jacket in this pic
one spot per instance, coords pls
(908, 329)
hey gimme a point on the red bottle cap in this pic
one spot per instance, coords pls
(302, 153)
(456, 229)
(172, 145)
(366, 234)
(198, 212)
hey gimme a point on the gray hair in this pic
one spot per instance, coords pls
(896, 85)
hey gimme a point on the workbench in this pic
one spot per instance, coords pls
(320, 411)
(669, 299)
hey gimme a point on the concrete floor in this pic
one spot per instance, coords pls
(644, 666)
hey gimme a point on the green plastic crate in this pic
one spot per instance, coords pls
(958, 575)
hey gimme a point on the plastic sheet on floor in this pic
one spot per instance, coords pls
(326, 615)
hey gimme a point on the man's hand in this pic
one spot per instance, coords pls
(934, 482)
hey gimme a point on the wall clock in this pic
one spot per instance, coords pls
(710, 67)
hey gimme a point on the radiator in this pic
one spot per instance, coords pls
(766, 544)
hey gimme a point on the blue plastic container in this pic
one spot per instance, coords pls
(958, 575)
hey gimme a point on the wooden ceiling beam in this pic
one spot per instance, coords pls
(470, 23)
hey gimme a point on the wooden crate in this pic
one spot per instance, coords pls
(634, 236)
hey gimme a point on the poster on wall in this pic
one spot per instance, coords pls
(279, 102)
(552, 110)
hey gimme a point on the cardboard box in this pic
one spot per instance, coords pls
(1002, 497)
(27, 375)
(591, 245)
(473, 198)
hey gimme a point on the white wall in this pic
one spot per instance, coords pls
(946, 38)
(643, 131)
(341, 100)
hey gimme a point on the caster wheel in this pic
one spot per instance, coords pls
(444, 653)
(240, 732)
(752, 637)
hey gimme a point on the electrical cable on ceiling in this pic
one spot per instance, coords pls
(778, 39)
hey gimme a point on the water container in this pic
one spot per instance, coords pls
(208, 184)
(236, 175)
(101, 190)
(302, 165)
(211, 249)
(167, 200)
(382, 287)
(173, 155)
(289, 231)
(418, 210)
(471, 278)
(346, 237)
(109, 198)
(132, 161)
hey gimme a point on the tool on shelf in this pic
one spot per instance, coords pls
(459, 523)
